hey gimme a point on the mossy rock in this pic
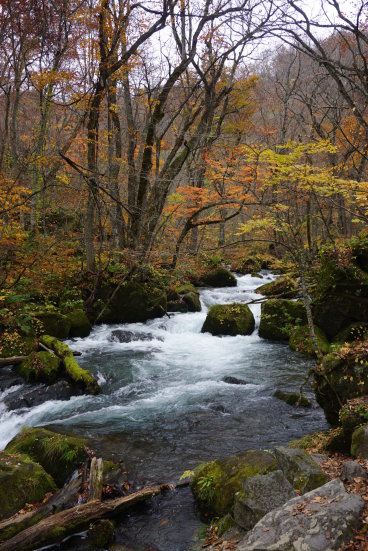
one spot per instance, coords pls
(300, 340)
(192, 301)
(186, 288)
(13, 343)
(224, 524)
(354, 413)
(303, 473)
(58, 454)
(215, 484)
(82, 378)
(293, 398)
(342, 376)
(101, 533)
(359, 442)
(283, 286)
(354, 332)
(229, 319)
(279, 317)
(21, 481)
(338, 441)
(80, 324)
(219, 277)
(250, 265)
(54, 324)
(39, 367)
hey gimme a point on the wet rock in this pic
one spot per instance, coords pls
(259, 495)
(293, 398)
(321, 520)
(219, 277)
(359, 442)
(229, 319)
(215, 484)
(177, 306)
(39, 367)
(302, 472)
(300, 340)
(21, 481)
(279, 317)
(352, 469)
(119, 335)
(36, 395)
(234, 381)
(101, 533)
(58, 454)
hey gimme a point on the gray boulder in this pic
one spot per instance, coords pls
(300, 469)
(352, 469)
(321, 520)
(260, 495)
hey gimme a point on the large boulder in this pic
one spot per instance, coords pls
(282, 287)
(80, 324)
(54, 324)
(58, 454)
(321, 520)
(215, 484)
(21, 481)
(190, 296)
(303, 473)
(259, 495)
(229, 319)
(279, 317)
(300, 340)
(219, 277)
(341, 376)
(359, 442)
(40, 367)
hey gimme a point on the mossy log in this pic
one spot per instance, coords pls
(60, 525)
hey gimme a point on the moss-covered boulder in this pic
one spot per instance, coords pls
(129, 302)
(293, 398)
(219, 277)
(58, 454)
(251, 264)
(343, 375)
(303, 473)
(355, 332)
(359, 442)
(40, 367)
(55, 324)
(282, 287)
(354, 413)
(300, 340)
(215, 484)
(21, 481)
(229, 319)
(80, 326)
(80, 377)
(101, 533)
(190, 296)
(279, 317)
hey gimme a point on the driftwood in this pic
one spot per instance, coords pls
(11, 361)
(60, 525)
(66, 497)
(95, 479)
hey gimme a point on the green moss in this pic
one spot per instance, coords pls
(39, 367)
(58, 454)
(279, 317)
(293, 398)
(186, 288)
(357, 441)
(214, 484)
(80, 324)
(21, 481)
(283, 286)
(229, 319)
(354, 413)
(219, 277)
(101, 533)
(300, 340)
(54, 324)
(192, 301)
(224, 524)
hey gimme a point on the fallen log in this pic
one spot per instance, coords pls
(67, 497)
(4, 362)
(58, 526)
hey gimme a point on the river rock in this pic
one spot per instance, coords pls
(38, 394)
(282, 287)
(300, 340)
(299, 468)
(54, 324)
(21, 481)
(215, 484)
(321, 520)
(177, 306)
(260, 494)
(279, 317)
(351, 470)
(190, 296)
(229, 319)
(80, 326)
(119, 335)
(293, 398)
(39, 367)
(58, 454)
(234, 381)
(219, 277)
(359, 442)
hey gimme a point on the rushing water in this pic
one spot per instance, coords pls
(164, 407)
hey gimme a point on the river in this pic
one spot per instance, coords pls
(164, 406)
